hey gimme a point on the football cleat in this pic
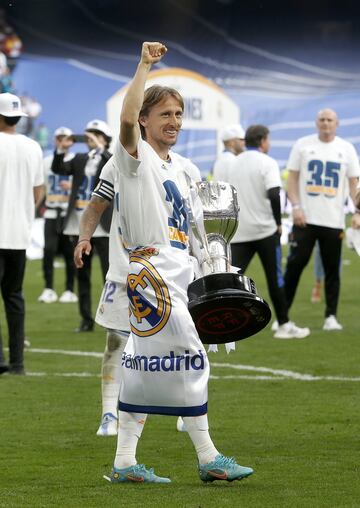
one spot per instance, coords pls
(223, 468)
(48, 296)
(68, 297)
(108, 426)
(136, 474)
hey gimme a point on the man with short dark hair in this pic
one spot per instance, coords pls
(21, 188)
(256, 178)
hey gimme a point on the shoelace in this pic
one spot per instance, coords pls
(226, 461)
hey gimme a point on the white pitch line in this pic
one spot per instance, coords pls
(276, 374)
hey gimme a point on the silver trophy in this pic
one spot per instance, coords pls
(223, 303)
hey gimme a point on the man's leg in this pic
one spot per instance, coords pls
(302, 241)
(111, 380)
(241, 254)
(50, 248)
(102, 248)
(212, 464)
(66, 248)
(3, 365)
(330, 242)
(84, 283)
(11, 288)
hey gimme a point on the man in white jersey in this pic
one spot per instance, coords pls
(256, 178)
(164, 365)
(233, 137)
(57, 199)
(319, 167)
(21, 188)
(85, 169)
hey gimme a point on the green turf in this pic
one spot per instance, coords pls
(301, 437)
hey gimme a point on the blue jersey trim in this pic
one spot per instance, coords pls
(164, 410)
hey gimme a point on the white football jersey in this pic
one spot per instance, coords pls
(253, 173)
(222, 166)
(20, 171)
(324, 169)
(146, 221)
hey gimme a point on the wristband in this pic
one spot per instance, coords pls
(84, 240)
(296, 207)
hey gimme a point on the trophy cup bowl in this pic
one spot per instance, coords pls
(225, 306)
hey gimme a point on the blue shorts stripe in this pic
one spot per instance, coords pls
(164, 410)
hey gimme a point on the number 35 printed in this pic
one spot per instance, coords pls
(324, 178)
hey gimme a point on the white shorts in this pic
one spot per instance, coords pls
(164, 368)
(113, 308)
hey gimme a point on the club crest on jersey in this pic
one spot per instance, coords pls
(149, 298)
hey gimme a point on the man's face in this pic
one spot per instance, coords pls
(265, 144)
(327, 123)
(163, 123)
(94, 139)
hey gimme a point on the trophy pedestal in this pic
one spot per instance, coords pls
(225, 307)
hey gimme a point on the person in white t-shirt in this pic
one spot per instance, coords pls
(319, 167)
(164, 366)
(256, 178)
(233, 137)
(57, 200)
(21, 189)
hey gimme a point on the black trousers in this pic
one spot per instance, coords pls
(12, 271)
(269, 251)
(101, 245)
(56, 241)
(302, 241)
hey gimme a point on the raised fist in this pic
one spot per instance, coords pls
(152, 52)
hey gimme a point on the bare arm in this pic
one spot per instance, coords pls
(355, 196)
(39, 193)
(294, 197)
(152, 52)
(89, 222)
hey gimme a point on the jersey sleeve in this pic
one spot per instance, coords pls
(353, 169)
(124, 162)
(271, 174)
(294, 162)
(105, 187)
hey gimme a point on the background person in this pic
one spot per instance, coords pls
(319, 166)
(57, 199)
(256, 178)
(21, 188)
(233, 137)
(85, 169)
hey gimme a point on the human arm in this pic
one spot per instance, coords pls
(39, 194)
(354, 191)
(59, 166)
(273, 195)
(88, 223)
(152, 52)
(294, 197)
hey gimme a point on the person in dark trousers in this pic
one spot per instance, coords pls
(21, 188)
(85, 169)
(58, 189)
(256, 178)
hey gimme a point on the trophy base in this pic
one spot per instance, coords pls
(225, 307)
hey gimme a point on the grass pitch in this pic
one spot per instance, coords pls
(289, 409)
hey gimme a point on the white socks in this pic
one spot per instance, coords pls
(198, 430)
(130, 428)
(111, 378)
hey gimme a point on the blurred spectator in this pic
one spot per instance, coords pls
(319, 167)
(42, 136)
(233, 137)
(6, 83)
(33, 109)
(11, 46)
(57, 199)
